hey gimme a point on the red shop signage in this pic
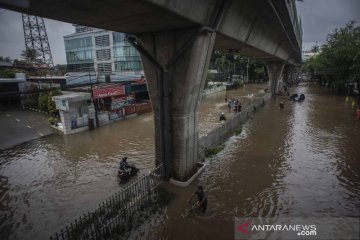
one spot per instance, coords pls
(109, 92)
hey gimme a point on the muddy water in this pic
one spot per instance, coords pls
(212, 106)
(302, 160)
(47, 183)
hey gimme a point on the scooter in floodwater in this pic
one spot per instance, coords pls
(126, 171)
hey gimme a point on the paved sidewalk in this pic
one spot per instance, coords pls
(18, 126)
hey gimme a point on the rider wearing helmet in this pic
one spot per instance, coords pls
(124, 166)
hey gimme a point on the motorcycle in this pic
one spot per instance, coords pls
(125, 175)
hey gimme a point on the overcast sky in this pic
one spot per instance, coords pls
(319, 17)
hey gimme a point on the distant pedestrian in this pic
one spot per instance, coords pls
(239, 107)
(222, 117)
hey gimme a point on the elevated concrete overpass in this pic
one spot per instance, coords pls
(175, 39)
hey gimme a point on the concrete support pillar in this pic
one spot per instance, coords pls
(287, 75)
(294, 75)
(275, 70)
(175, 64)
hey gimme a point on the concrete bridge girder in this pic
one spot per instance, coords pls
(176, 132)
(253, 25)
(254, 30)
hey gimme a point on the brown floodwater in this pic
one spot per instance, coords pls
(302, 160)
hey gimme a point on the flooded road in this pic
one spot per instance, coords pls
(47, 183)
(212, 106)
(299, 161)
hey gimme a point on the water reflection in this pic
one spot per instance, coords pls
(299, 161)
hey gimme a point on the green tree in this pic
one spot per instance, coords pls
(30, 56)
(51, 107)
(43, 101)
(338, 60)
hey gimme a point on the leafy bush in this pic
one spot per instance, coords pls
(213, 151)
(238, 131)
(239, 83)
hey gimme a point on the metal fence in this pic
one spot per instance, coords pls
(116, 214)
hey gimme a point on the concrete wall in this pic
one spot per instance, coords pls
(221, 133)
(210, 91)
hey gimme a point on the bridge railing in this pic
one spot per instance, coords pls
(115, 215)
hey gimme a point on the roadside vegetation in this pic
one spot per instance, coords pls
(213, 151)
(337, 62)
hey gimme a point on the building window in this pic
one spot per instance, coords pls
(78, 43)
(84, 67)
(104, 67)
(102, 41)
(103, 54)
(73, 56)
(128, 66)
(118, 37)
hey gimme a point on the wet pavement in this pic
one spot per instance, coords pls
(18, 126)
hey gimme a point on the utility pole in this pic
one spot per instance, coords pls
(93, 102)
(247, 71)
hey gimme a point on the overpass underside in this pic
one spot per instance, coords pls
(175, 39)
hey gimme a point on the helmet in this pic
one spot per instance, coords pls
(124, 159)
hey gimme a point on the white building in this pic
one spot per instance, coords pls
(91, 49)
(75, 111)
(307, 54)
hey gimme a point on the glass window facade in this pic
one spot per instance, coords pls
(118, 37)
(84, 67)
(128, 66)
(78, 43)
(76, 56)
(91, 49)
(125, 51)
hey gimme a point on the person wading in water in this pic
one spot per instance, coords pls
(202, 200)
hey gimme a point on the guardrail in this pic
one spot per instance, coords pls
(115, 215)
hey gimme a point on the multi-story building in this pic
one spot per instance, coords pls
(92, 49)
(308, 54)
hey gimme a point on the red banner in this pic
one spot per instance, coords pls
(109, 92)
